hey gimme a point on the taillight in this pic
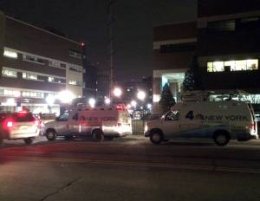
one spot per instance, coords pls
(8, 123)
(251, 126)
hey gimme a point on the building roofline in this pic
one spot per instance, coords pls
(43, 30)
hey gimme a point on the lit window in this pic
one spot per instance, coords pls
(75, 82)
(13, 93)
(10, 54)
(252, 64)
(241, 65)
(233, 65)
(9, 72)
(210, 67)
(218, 66)
(50, 79)
(57, 80)
(29, 76)
(32, 94)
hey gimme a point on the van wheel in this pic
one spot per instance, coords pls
(156, 137)
(98, 135)
(28, 140)
(51, 135)
(221, 138)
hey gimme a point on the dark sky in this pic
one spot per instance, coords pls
(86, 20)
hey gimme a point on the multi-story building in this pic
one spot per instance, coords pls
(36, 65)
(229, 45)
(224, 40)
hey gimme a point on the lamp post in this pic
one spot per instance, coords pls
(141, 95)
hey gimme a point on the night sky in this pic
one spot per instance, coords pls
(86, 20)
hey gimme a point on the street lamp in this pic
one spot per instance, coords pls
(117, 92)
(66, 96)
(141, 96)
(92, 102)
(107, 101)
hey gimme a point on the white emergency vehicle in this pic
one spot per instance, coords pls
(98, 122)
(220, 121)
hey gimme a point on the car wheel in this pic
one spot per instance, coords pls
(51, 135)
(28, 140)
(98, 135)
(156, 137)
(221, 138)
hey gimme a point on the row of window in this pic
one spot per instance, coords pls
(18, 93)
(39, 60)
(13, 73)
(250, 23)
(233, 65)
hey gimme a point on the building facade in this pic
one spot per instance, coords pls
(225, 41)
(173, 47)
(36, 65)
(229, 45)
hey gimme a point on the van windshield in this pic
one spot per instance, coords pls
(63, 117)
(172, 115)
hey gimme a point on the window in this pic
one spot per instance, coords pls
(8, 72)
(227, 25)
(75, 82)
(75, 54)
(29, 76)
(32, 94)
(53, 63)
(34, 59)
(172, 116)
(13, 93)
(184, 47)
(233, 65)
(63, 65)
(57, 80)
(10, 53)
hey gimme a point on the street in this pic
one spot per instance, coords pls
(129, 168)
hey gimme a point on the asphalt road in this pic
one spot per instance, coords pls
(129, 168)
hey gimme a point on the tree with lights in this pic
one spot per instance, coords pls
(167, 100)
(192, 79)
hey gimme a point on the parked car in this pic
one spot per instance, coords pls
(19, 125)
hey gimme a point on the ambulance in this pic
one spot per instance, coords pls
(220, 121)
(97, 123)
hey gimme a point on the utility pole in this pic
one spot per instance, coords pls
(110, 23)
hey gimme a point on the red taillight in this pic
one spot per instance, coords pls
(251, 126)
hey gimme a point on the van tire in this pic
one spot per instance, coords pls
(98, 135)
(28, 140)
(156, 136)
(51, 134)
(221, 137)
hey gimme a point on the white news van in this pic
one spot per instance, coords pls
(220, 121)
(96, 122)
